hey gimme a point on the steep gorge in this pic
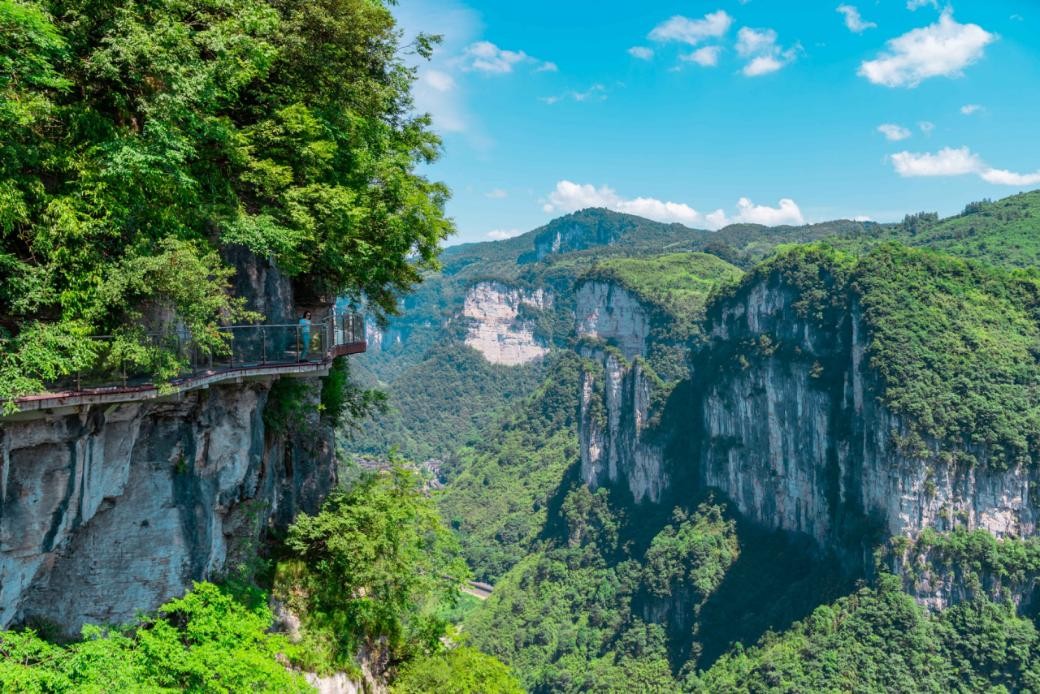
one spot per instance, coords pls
(786, 416)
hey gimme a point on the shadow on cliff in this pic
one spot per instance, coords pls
(777, 580)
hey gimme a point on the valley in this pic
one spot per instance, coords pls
(721, 436)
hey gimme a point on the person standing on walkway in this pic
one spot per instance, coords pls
(304, 334)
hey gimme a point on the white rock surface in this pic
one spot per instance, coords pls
(613, 314)
(496, 329)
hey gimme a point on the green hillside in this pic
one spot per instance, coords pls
(679, 283)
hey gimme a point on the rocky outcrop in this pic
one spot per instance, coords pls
(109, 511)
(784, 415)
(497, 326)
(613, 415)
(266, 289)
(616, 393)
(608, 312)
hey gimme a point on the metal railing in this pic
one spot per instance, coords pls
(243, 347)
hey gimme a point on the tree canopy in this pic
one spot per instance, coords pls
(140, 139)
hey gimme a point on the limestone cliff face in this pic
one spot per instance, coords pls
(801, 440)
(112, 510)
(496, 326)
(784, 416)
(611, 313)
(616, 393)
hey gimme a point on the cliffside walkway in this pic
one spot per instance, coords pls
(252, 351)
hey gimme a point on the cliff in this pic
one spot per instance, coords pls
(616, 393)
(110, 510)
(787, 415)
(496, 325)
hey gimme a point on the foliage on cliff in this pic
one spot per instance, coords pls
(371, 569)
(679, 283)
(461, 670)
(139, 140)
(1001, 232)
(954, 343)
(204, 642)
(881, 640)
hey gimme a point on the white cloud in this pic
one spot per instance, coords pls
(596, 92)
(946, 162)
(787, 213)
(914, 5)
(502, 234)
(496, 194)
(763, 53)
(1003, 177)
(486, 57)
(762, 65)
(570, 197)
(958, 162)
(926, 127)
(641, 52)
(863, 218)
(692, 31)
(893, 132)
(970, 109)
(707, 56)
(942, 49)
(752, 41)
(439, 81)
(853, 21)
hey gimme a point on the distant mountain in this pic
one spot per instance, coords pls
(428, 341)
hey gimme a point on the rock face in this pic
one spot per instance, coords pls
(497, 327)
(613, 415)
(783, 416)
(614, 407)
(110, 510)
(573, 234)
(610, 313)
(113, 510)
(800, 439)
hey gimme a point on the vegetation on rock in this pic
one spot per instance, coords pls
(140, 140)
(371, 569)
(206, 641)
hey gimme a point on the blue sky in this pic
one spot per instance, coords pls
(713, 112)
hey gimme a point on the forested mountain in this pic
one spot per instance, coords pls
(791, 458)
(754, 453)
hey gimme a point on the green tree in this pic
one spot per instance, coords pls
(203, 642)
(138, 140)
(373, 567)
(460, 670)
